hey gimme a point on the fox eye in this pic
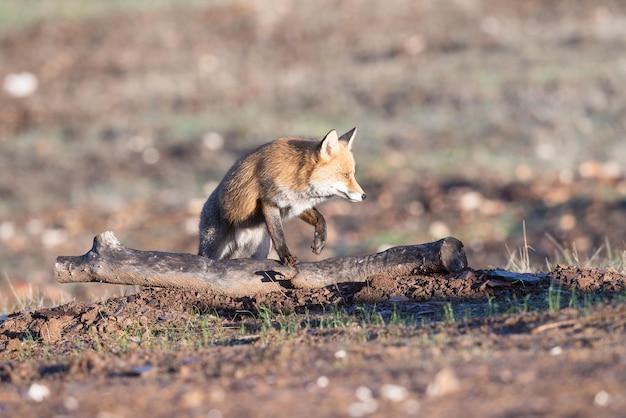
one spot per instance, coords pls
(346, 175)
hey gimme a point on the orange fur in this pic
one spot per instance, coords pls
(278, 180)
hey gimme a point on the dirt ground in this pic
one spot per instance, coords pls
(497, 122)
(327, 353)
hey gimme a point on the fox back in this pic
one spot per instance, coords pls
(279, 180)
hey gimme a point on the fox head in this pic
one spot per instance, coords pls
(334, 175)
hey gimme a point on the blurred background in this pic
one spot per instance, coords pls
(500, 122)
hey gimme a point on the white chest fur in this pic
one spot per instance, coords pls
(293, 203)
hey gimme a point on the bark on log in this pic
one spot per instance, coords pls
(109, 261)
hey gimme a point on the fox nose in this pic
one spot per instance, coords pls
(363, 196)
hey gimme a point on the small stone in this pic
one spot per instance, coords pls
(556, 351)
(145, 370)
(192, 399)
(21, 84)
(38, 392)
(444, 383)
(602, 398)
(70, 403)
(322, 381)
(340, 354)
(363, 393)
(361, 409)
(398, 299)
(394, 393)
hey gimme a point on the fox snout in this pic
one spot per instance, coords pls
(356, 196)
(354, 193)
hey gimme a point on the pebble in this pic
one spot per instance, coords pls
(394, 393)
(21, 84)
(444, 383)
(38, 392)
(602, 398)
(322, 381)
(339, 354)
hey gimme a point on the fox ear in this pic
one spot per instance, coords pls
(329, 145)
(348, 137)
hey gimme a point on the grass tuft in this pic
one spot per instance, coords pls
(519, 261)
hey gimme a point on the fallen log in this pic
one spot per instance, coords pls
(109, 261)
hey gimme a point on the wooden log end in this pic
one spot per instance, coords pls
(453, 255)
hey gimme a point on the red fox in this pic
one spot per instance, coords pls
(279, 180)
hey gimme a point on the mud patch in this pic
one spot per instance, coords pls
(588, 279)
(163, 308)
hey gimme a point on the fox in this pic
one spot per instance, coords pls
(243, 216)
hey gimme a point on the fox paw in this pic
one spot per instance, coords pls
(290, 260)
(318, 245)
(319, 240)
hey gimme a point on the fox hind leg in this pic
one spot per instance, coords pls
(211, 242)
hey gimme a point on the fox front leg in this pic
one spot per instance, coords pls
(314, 217)
(274, 223)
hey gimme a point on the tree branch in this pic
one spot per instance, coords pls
(109, 261)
